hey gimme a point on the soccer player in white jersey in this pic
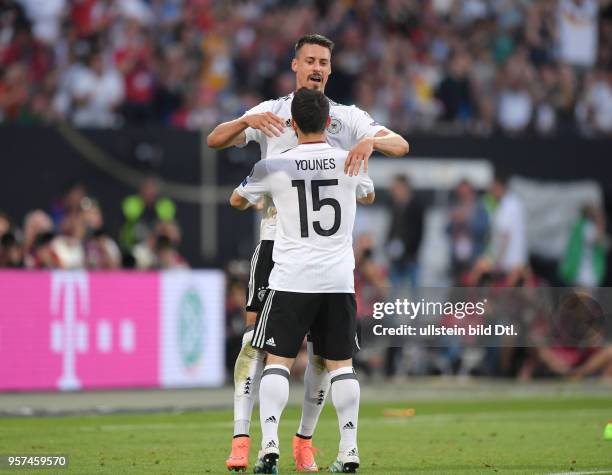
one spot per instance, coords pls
(311, 286)
(268, 124)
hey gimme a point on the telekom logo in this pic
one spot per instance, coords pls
(71, 335)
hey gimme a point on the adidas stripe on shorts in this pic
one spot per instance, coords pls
(261, 266)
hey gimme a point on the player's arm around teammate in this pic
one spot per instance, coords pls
(385, 141)
(232, 133)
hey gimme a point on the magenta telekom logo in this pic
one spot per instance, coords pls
(73, 330)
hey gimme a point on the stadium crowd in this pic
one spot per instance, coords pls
(475, 66)
(71, 234)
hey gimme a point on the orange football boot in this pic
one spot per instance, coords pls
(238, 460)
(303, 454)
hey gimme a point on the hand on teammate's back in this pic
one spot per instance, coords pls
(269, 123)
(358, 154)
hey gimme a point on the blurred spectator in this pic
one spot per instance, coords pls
(578, 31)
(68, 245)
(70, 202)
(97, 92)
(46, 18)
(584, 261)
(509, 229)
(507, 256)
(455, 91)
(5, 223)
(159, 249)
(134, 59)
(234, 320)
(405, 233)
(101, 250)
(594, 110)
(143, 211)
(371, 285)
(11, 252)
(515, 107)
(468, 229)
(42, 255)
(167, 255)
(14, 99)
(36, 223)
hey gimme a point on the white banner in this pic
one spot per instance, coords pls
(192, 328)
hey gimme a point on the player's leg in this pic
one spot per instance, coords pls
(316, 388)
(273, 397)
(282, 326)
(333, 337)
(250, 361)
(345, 394)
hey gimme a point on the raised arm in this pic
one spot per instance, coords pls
(385, 141)
(390, 144)
(233, 132)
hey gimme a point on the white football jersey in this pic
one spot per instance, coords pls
(316, 203)
(348, 125)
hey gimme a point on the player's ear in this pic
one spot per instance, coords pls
(294, 64)
(328, 122)
(294, 126)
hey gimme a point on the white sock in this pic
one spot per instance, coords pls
(316, 387)
(247, 373)
(345, 394)
(273, 396)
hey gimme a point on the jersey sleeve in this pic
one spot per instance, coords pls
(365, 185)
(254, 186)
(362, 124)
(254, 135)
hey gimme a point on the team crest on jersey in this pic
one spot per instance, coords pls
(335, 126)
(261, 294)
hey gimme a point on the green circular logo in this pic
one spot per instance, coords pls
(191, 328)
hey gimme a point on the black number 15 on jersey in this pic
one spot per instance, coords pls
(317, 204)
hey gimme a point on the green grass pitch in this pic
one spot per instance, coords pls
(522, 436)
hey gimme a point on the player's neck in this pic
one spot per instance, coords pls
(311, 138)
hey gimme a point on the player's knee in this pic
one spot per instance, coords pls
(317, 363)
(334, 365)
(251, 317)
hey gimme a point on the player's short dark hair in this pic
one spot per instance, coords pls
(310, 110)
(314, 39)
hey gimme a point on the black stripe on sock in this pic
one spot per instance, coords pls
(305, 437)
(340, 377)
(242, 435)
(280, 372)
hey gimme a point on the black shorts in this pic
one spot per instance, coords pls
(288, 316)
(261, 266)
